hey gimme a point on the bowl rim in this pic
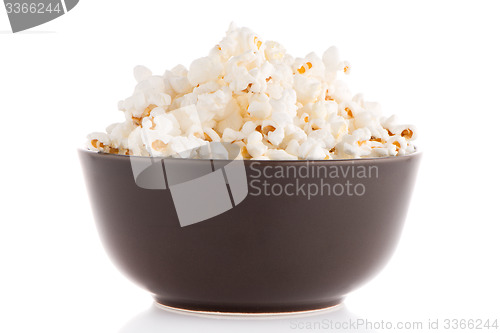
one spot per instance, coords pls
(340, 160)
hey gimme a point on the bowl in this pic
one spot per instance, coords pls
(249, 236)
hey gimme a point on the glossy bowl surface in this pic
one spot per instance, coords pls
(269, 253)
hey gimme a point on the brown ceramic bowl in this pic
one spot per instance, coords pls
(269, 253)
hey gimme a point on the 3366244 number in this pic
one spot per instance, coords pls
(32, 8)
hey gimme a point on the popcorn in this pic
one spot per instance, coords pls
(259, 106)
(276, 136)
(96, 141)
(279, 154)
(231, 135)
(293, 147)
(323, 136)
(255, 147)
(312, 149)
(274, 52)
(188, 120)
(204, 70)
(118, 133)
(177, 78)
(214, 105)
(253, 94)
(141, 73)
(293, 132)
(211, 135)
(308, 89)
(331, 60)
(233, 121)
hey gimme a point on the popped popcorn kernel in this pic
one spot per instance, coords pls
(349, 112)
(159, 145)
(153, 124)
(257, 42)
(374, 139)
(138, 120)
(207, 137)
(252, 93)
(347, 67)
(96, 143)
(268, 129)
(407, 134)
(245, 153)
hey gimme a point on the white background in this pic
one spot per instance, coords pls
(436, 64)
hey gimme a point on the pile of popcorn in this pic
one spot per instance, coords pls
(251, 93)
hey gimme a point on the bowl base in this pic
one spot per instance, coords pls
(248, 311)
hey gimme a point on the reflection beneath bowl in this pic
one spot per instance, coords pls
(156, 320)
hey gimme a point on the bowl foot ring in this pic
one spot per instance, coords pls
(270, 314)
